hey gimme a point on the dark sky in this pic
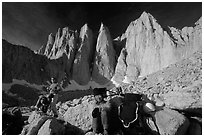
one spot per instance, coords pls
(29, 24)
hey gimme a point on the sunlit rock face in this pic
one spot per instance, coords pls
(149, 48)
(62, 45)
(104, 60)
(187, 40)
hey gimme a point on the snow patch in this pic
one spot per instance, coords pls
(73, 86)
(6, 86)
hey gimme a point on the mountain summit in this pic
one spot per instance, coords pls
(104, 61)
(150, 48)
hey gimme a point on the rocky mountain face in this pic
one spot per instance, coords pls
(83, 59)
(63, 45)
(17, 60)
(188, 40)
(150, 48)
(144, 48)
(104, 61)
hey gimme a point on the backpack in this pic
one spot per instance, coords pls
(45, 103)
(130, 114)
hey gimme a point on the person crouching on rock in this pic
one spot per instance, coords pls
(51, 99)
(100, 112)
(44, 102)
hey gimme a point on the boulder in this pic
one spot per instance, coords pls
(80, 115)
(168, 122)
(41, 124)
(186, 99)
(35, 124)
(52, 127)
(104, 60)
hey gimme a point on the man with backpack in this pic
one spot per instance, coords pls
(54, 89)
(100, 112)
(104, 115)
(125, 118)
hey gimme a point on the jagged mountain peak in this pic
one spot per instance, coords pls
(102, 27)
(146, 22)
(145, 15)
(58, 34)
(104, 61)
(85, 27)
(51, 37)
(65, 31)
(84, 30)
(146, 19)
(104, 35)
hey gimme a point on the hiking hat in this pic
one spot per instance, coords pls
(149, 107)
(99, 91)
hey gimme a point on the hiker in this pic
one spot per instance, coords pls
(100, 112)
(54, 89)
(44, 102)
(105, 114)
(51, 99)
